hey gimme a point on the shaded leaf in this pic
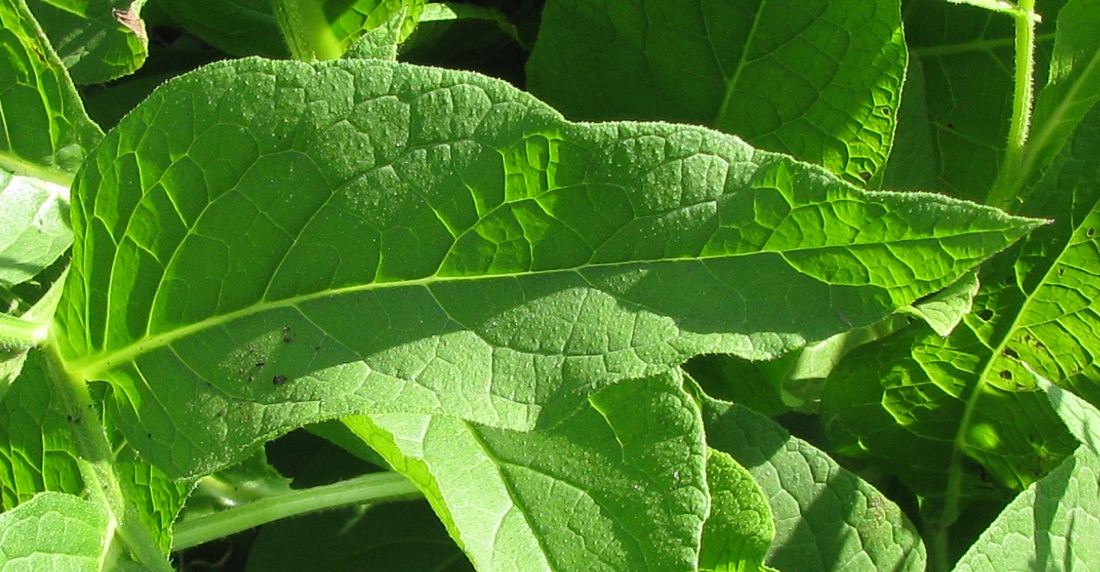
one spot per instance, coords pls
(825, 517)
(821, 82)
(630, 465)
(46, 133)
(98, 40)
(406, 239)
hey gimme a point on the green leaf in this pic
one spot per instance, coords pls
(1055, 523)
(34, 227)
(739, 530)
(394, 536)
(237, 27)
(822, 82)
(45, 133)
(55, 531)
(825, 517)
(1073, 86)
(944, 311)
(966, 55)
(969, 393)
(20, 333)
(98, 40)
(629, 464)
(362, 236)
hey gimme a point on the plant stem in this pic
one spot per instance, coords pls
(306, 30)
(1003, 193)
(373, 487)
(96, 461)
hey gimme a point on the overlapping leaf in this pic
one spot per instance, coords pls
(267, 244)
(44, 127)
(98, 40)
(925, 393)
(34, 230)
(630, 465)
(826, 518)
(822, 82)
(55, 531)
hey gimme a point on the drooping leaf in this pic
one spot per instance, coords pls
(1055, 523)
(45, 133)
(55, 531)
(363, 236)
(821, 82)
(237, 27)
(739, 530)
(34, 226)
(98, 40)
(922, 392)
(629, 464)
(825, 517)
(966, 55)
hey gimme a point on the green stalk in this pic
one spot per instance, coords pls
(375, 487)
(306, 30)
(96, 459)
(1003, 193)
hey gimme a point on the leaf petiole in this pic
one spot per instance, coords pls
(1003, 192)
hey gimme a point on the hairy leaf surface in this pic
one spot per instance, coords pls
(55, 531)
(821, 82)
(268, 244)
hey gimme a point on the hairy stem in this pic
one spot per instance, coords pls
(306, 30)
(1003, 193)
(375, 487)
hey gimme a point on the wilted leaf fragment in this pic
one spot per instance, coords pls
(55, 531)
(821, 82)
(268, 244)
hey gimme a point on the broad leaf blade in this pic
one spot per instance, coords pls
(1037, 306)
(238, 27)
(825, 517)
(821, 82)
(740, 528)
(98, 40)
(363, 237)
(1055, 523)
(46, 133)
(629, 465)
(55, 531)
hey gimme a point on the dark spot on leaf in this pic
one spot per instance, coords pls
(986, 315)
(279, 379)
(885, 111)
(950, 126)
(1011, 353)
(865, 176)
(1090, 232)
(1009, 280)
(221, 412)
(1006, 375)
(288, 335)
(260, 364)
(1061, 272)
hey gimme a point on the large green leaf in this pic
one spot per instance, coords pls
(1055, 523)
(267, 244)
(630, 465)
(826, 518)
(45, 131)
(966, 56)
(821, 81)
(740, 527)
(928, 394)
(98, 40)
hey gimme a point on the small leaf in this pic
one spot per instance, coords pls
(946, 309)
(46, 133)
(34, 227)
(822, 82)
(826, 518)
(55, 531)
(629, 465)
(739, 529)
